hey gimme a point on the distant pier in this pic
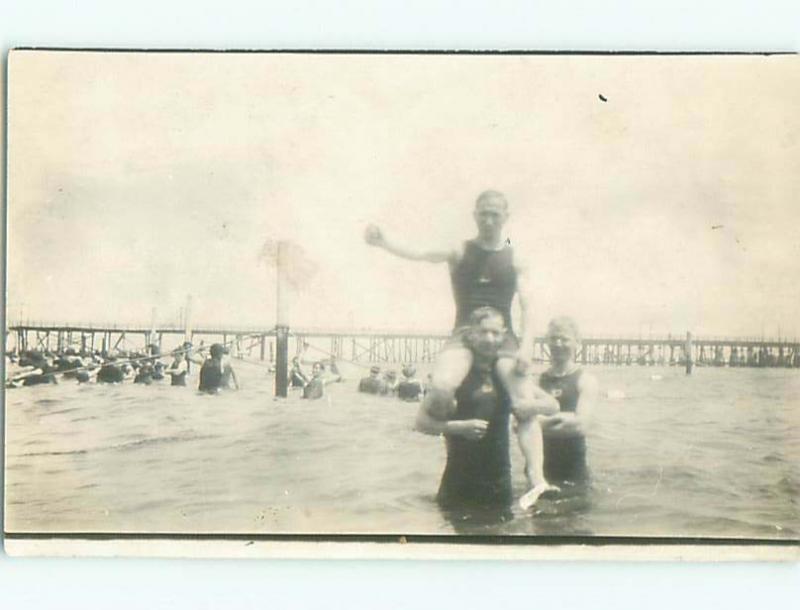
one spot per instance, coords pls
(367, 346)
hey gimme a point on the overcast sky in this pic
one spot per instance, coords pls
(137, 179)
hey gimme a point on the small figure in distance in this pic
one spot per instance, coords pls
(372, 384)
(216, 375)
(144, 374)
(410, 388)
(297, 377)
(110, 371)
(181, 366)
(390, 379)
(178, 370)
(315, 388)
(44, 365)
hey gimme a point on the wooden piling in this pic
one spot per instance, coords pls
(689, 354)
(281, 327)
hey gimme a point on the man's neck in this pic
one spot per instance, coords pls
(490, 244)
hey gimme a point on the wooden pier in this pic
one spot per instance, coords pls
(369, 346)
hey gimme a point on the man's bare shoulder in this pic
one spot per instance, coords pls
(455, 251)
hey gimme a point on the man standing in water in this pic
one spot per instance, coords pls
(315, 388)
(478, 470)
(215, 374)
(576, 392)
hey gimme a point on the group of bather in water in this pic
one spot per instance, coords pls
(481, 377)
(34, 367)
(378, 383)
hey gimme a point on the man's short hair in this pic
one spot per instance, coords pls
(491, 194)
(484, 313)
(564, 322)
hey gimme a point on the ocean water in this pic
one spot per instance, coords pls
(715, 454)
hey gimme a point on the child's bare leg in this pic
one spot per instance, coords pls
(451, 368)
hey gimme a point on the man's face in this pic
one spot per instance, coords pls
(316, 370)
(490, 215)
(487, 337)
(562, 342)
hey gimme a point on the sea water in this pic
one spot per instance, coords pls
(712, 454)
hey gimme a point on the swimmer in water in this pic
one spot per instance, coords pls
(315, 388)
(178, 369)
(410, 388)
(145, 374)
(110, 371)
(564, 432)
(215, 374)
(372, 384)
(297, 378)
(390, 383)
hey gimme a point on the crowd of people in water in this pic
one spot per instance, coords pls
(38, 367)
(216, 372)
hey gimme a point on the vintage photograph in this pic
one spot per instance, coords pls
(403, 294)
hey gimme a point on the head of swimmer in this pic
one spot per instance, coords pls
(562, 339)
(317, 369)
(486, 332)
(490, 214)
(217, 351)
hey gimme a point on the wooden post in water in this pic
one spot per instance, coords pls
(689, 354)
(187, 319)
(151, 336)
(281, 326)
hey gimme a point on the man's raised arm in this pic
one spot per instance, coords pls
(374, 237)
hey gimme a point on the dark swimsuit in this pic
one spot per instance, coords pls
(211, 377)
(484, 278)
(314, 389)
(478, 472)
(564, 457)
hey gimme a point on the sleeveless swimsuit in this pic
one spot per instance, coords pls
(478, 472)
(564, 457)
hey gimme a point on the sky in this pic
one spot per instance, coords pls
(137, 179)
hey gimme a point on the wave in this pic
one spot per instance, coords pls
(122, 446)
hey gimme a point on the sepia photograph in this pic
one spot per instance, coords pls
(497, 298)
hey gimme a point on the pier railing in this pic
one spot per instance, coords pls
(370, 345)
